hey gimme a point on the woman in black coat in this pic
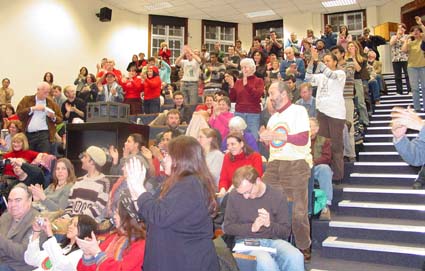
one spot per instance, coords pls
(179, 224)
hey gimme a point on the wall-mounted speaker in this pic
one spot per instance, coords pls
(105, 14)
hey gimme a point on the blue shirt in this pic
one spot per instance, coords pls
(300, 68)
(310, 106)
(38, 121)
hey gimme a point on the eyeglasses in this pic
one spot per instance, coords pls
(250, 191)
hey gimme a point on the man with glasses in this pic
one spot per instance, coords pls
(257, 214)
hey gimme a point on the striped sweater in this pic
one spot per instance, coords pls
(89, 196)
(348, 67)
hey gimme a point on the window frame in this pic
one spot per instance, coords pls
(168, 21)
(224, 43)
(346, 13)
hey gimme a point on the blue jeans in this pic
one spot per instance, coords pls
(323, 174)
(5, 267)
(416, 75)
(252, 121)
(380, 83)
(287, 257)
(374, 90)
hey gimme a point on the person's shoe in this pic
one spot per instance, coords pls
(418, 185)
(325, 214)
(307, 254)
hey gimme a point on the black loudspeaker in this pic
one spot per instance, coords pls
(105, 14)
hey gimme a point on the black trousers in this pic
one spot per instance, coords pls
(39, 141)
(397, 67)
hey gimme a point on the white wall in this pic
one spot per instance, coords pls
(61, 36)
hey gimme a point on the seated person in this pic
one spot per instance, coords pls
(185, 111)
(159, 152)
(238, 125)
(239, 154)
(58, 256)
(9, 115)
(322, 172)
(27, 173)
(291, 81)
(122, 249)
(208, 138)
(133, 146)
(15, 229)
(172, 120)
(89, 195)
(208, 104)
(20, 149)
(55, 196)
(111, 91)
(307, 100)
(257, 212)
(221, 116)
(14, 127)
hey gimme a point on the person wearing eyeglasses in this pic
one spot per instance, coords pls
(257, 214)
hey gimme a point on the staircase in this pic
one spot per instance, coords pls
(380, 218)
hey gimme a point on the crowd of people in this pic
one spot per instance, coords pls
(246, 132)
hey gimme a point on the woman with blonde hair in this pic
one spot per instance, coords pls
(164, 52)
(19, 149)
(343, 37)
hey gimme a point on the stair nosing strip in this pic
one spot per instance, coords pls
(381, 164)
(383, 175)
(376, 226)
(332, 241)
(375, 205)
(379, 153)
(384, 190)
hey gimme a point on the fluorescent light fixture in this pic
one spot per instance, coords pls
(158, 5)
(260, 13)
(338, 3)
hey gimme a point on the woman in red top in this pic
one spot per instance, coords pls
(19, 149)
(165, 52)
(152, 89)
(9, 114)
(208, 104)
(132, 86)
(239, 154)
(123, 249)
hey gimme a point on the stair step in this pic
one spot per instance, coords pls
(382, 209)
(388, 135)
(399, 254)
(379, 146)
(382, 105)
(392, 230)
(381, 179)
(394, 194)
(380, 156)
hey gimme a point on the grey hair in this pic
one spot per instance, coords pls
(248, 62)
(24, 187)
(283, 86)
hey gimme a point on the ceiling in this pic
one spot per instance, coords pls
(234, 10)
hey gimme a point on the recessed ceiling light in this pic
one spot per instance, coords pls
(338, 3)
(158, 5)
(260, 13)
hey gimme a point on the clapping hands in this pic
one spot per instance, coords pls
(136, 173)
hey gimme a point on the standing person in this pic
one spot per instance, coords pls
(208, 138)
(48, 78)
(294, 64)
(399, 58)
(247, 93)
(6, 93)
(39, 115)
(179, 223)
(81, 80)
(165, 52)
(190, 63)
(132, 87)
(73, 107)
(330, 106)
(416, 61)
(276, 45)
(152, 90)
(288, 169)
(329, 37)
(111, 91)
(58, 96)
(343, 37)
(371, 41)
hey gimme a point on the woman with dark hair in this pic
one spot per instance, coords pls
(152, 90)
(399, 58)
(134, 64)
(239, 154)
(9, 114)
(330, 105)
(343, 38)
(55, 196)
(89, 92)
(56, 256)
(132, 86)
(81, 80)
(123, 249)
(179, 219)
(260, 64)
(221, 117)
(208, 138)
(48, 78)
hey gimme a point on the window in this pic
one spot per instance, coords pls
(263, 29)
(224, 33)
(354, 20)
(172, 30)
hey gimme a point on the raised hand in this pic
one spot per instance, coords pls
(136, 174)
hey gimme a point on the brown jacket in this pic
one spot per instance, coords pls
(24, 108)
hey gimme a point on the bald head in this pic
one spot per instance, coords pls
(289, 52)
(43, 90)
